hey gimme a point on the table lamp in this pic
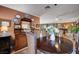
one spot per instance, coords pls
(4, 30)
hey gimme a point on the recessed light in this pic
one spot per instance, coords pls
(57, 19)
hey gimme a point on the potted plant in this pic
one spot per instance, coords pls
(75, 32)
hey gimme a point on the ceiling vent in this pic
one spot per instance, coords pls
(47, 7)
(55, 4)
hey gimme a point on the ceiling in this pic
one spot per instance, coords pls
(32, 9)
(61, 11)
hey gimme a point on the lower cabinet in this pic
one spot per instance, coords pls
(20, 40)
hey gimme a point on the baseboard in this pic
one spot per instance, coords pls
(14, 52)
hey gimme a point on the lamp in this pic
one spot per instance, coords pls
(4, 28)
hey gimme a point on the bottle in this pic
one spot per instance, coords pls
(41, 36)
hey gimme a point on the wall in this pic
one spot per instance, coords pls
(48, 21)
(36, 25)
(9, 14)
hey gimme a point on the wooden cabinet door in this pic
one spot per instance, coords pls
(20, 41)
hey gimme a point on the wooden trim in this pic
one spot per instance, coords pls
(26, 19)
(15, 52)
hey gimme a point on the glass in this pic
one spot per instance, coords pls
(26, 26)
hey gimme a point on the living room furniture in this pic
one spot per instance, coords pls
(5, 45)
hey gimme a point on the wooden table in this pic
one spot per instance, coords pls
(65, 47)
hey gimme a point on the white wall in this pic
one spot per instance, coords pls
(43, 21)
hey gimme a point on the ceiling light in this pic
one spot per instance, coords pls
(57, 19)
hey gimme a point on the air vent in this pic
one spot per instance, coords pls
(47, 7)
(55, 4)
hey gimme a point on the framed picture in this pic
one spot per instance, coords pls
(5, 23)
(25, 25)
